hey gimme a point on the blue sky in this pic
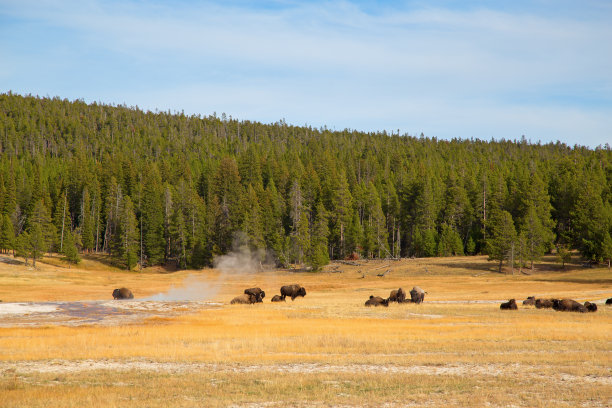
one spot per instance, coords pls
(449, 69)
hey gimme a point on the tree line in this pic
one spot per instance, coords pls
(151, 188)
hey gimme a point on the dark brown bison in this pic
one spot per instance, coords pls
(244, 299)
(609, 301)
(530, 301)
(544, 303)
(123, 293)
(417, 294)
(377, 301)
(509, 305)
(257, 293)
(277, 298)
(292, 291)
(568, 305)
(590, 307)
(397, 295)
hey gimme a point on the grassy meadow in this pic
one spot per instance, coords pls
(326, 349)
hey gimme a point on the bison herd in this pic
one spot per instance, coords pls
(417, 295)
(560, 305)
(256, 295)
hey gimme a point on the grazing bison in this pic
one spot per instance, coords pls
(292, 291)
(568, 305)
(530, 301)
(277, 298)
(544, 303)
(609, 301)
(123, 293)
(244, 299)
(509, 305)
(590, 307)
(377, 301)
(257, 293)
(397, 295)
(417, 294)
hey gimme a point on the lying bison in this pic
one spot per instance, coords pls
(590, 307)
(544, 303)
(277, 298)
(123, 293)
(568, 305)
(377, 301)
(244, 299)
(292, 291)
(257, 293)
(530, 301)
(509, 305)
(417, 294)
(397, 295)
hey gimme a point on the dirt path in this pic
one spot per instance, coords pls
(494, 370)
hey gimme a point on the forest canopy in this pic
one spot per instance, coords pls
(166, 187)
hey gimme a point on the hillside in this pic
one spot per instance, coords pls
(169, 188)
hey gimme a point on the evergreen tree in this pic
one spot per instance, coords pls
(40, 218)
(153, 218)
(341, 210)
(503, 236)
(62, 221)
(127, 237)
(355, 235)
(300, 239)
(317, 251)
(7, 234)
(592, 220)
(37, 245)
(9, 199)
(536, 237)
(87, 222)
(450, 242)
(252, 221)
(22, 246)
(70, 250)
(470, 246)
(272, 219)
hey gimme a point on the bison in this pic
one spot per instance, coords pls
(257, 293)
(609, 301)
(292, 291)
(590, 307)
(397, 295)
(277, 298)
(377, 301)
(530, 301)
(568, 305)
(244, 299)
(417, 294)
(544, 303)
(509, 305)
(123, 293)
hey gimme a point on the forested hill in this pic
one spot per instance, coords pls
(110, 178)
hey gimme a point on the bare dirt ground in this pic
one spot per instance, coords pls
(101, 313)
(532, 372)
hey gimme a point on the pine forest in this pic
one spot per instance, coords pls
(158, 188)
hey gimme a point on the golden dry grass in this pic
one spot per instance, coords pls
(326, 349)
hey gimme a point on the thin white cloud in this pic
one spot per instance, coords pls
(446, 72)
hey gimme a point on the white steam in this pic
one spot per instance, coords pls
(242, 260)
(194, 288)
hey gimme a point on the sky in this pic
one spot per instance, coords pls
(446, 69)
